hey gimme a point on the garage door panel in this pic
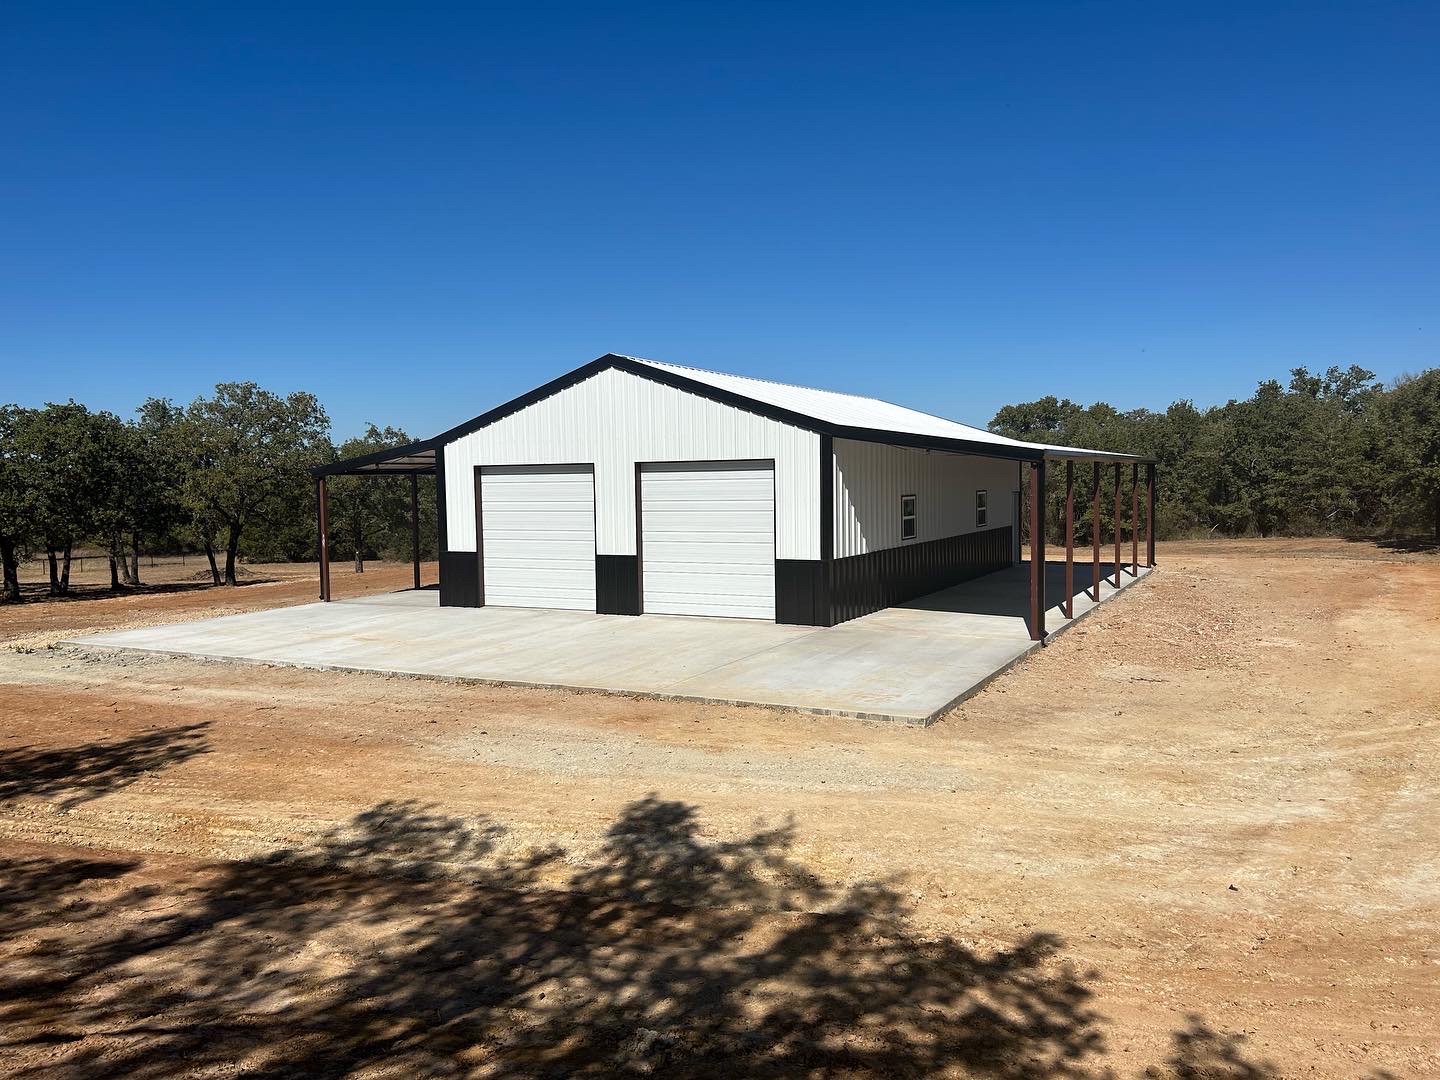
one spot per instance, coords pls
(538, 536)
(524, 557)
(681, 596)
(734, 559)
(708, 540)
(557, 544)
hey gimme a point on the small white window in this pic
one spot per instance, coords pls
(907, 517)
(982, 508)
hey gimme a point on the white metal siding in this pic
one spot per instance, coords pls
(708, 540)
(870, 478)
(614, 420)
(539, 537)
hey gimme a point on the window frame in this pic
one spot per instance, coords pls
(912, 518)
(982, 508)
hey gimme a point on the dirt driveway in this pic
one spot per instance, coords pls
(1196, 836)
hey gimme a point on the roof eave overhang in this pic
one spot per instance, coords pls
(971, 447)
(1080, 454)
(398, 461)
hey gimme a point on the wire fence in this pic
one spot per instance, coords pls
(79, 563)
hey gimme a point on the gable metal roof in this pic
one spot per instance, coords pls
(827, 412)
(841, 410)
(871, 414)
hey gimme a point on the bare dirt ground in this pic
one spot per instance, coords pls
(1196, 836)
(175, 593)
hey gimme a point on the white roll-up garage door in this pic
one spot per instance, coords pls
(537, 528)
(707, 539)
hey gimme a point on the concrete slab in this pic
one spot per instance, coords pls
(908, 663)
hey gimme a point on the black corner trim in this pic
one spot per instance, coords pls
(617, 584)
(800, 592)
(459, 579)
(442, 528)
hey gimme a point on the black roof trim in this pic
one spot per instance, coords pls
(1080, 455)
(739, 401)
(376, 462)
(524, 401)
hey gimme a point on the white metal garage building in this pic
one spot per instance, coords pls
(630, 487)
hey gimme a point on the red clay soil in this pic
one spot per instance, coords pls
(1194, 837)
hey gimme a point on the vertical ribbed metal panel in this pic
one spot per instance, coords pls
(861, 584)
(870, 479)
(613, 420)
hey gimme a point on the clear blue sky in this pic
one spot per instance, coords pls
(419, 211)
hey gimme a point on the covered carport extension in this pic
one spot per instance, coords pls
(413, 460)
(1037, 577)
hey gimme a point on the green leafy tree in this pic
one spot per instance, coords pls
(120, 467)
(248, 453)
(135, 495)
(16, 514)
(155, 510)
(1329, 453)
(66, 465)
(1045, 420)
(1412, 449)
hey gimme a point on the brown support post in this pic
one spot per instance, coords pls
(1095, 525)
(324, 542)
(1150, 514)
(1117, 525)
(415, 525)
(1069, 540)
(1135, 520)
(1037, 550)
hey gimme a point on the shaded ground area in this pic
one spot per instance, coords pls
(669, 955)
(70, 775)
(1189, 839)
(403, 945)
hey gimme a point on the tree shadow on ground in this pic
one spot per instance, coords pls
(1408, 544)
(1201, 1053)
(409, 943)
(39, 592)
(77, 774)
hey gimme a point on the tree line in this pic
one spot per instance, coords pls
(1327, 454)
(227, 475)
